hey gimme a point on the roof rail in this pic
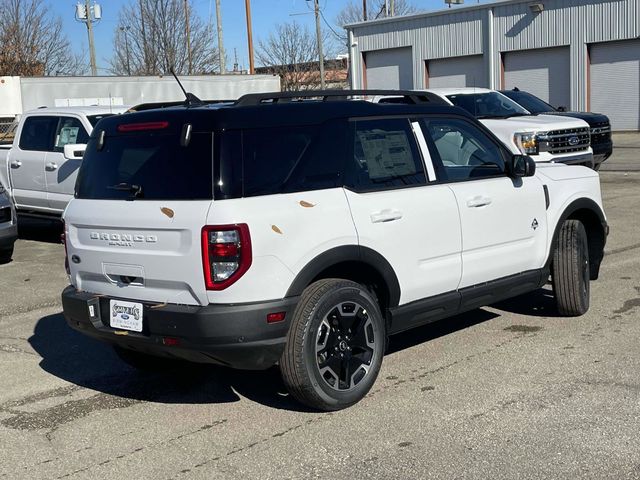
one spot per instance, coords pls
(411, 96)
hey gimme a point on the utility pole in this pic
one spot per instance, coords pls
(186, 16)
(88, 15)
(221, 56)
(364, 10)
(392, 8)
(247, 7)
(319, 40)
(124, 31)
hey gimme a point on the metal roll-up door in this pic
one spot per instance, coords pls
(391, 68)
(457, 72)
(615, 82)
(543, 72)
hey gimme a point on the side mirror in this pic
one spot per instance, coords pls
(562, 108)
(521, 166)
(74, 151)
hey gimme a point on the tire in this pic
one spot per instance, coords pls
(335, 345)
(6, 255)
(144, 362)
(570, 270)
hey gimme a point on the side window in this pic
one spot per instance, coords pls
(269, 156)
(37, 133)
(266, 161)
(465, 151)
(322, 165)
(385, 155)
(70, 131)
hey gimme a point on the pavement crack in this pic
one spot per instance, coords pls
(137, 450)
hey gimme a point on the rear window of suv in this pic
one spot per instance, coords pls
(147, 167)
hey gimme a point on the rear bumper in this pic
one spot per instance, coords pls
(237, 335)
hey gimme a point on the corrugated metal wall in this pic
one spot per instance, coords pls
(499, 27)
(438, 36)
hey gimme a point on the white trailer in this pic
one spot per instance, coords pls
(20, 94)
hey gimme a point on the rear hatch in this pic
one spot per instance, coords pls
(142, 197)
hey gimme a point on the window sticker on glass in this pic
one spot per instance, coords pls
(387, 153)
(67, 135)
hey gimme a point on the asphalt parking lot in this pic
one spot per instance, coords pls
(510, 391)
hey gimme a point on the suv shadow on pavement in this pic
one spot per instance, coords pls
(39, 229)
(91, 364)
(539, 303)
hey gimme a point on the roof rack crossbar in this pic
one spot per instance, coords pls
(415, 97)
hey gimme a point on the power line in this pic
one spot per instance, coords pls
(338, 36)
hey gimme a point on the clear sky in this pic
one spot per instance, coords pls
(265, 14)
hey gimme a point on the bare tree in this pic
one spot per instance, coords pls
(290, 51)
(151, 37)
(352, 12)
(32, 41)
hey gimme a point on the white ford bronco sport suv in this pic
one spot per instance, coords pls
(305, 232)
(546, 138)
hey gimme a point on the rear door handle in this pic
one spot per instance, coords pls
(51, 166)
(386, 215)
(478, 201)
(16, 164)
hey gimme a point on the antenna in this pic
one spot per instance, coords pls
(190, 98)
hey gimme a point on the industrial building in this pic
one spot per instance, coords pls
(581, 54)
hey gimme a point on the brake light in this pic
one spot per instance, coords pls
(136, 127)
(63, 239)
(226, 254)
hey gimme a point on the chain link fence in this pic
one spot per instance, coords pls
(8, 128)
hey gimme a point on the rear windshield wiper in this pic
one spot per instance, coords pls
(134, 190)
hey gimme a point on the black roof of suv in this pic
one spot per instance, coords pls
(264, 110)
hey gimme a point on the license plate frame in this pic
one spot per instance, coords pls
(125, 315)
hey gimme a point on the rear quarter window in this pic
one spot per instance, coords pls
(268, 161)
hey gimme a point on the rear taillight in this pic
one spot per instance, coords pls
(63, 239)
(226, 254)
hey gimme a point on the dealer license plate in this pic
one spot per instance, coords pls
(125, 315)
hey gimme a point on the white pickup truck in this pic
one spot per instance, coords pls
(39, 169)
(546, 138)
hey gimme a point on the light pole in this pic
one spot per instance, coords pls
(124, 31)
(221, 56)
(88, 14)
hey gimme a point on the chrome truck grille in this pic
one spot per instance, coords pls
(565, 141)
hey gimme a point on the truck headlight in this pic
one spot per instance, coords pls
(527, 142)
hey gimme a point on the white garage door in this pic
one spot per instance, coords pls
(544, 72)
(391, 68)
(457, 72)
(615, 82)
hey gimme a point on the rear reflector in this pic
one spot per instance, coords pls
(136, 127)
(226, 254)
(276, 317)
